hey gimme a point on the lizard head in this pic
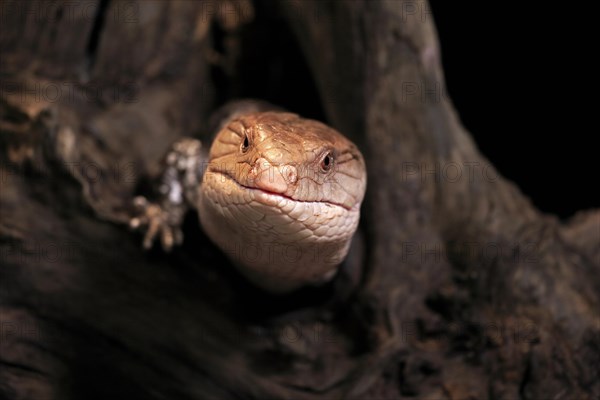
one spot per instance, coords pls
(276, 178)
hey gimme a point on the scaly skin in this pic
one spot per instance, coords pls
(280, 196)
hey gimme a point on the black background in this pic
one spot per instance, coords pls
(522, 79)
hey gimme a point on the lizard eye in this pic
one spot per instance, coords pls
(245, 144)
(326, 162)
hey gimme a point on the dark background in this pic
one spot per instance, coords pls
(519, 75)
(522, 79)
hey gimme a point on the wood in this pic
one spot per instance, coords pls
(457, 287)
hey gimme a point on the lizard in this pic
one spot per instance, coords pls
(279, 194)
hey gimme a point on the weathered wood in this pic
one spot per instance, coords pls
(457, 287)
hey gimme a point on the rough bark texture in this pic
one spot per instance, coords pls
(457, 288)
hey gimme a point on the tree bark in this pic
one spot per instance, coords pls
(456, 288)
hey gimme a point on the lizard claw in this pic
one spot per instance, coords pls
(156, 221)
(177, 191)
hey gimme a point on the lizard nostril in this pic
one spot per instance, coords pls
(289, 173)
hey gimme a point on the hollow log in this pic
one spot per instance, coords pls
(456, 286)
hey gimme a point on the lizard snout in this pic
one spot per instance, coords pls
(272, 178)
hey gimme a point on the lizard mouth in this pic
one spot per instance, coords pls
(273, 198)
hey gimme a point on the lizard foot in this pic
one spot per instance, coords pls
(157, 222)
